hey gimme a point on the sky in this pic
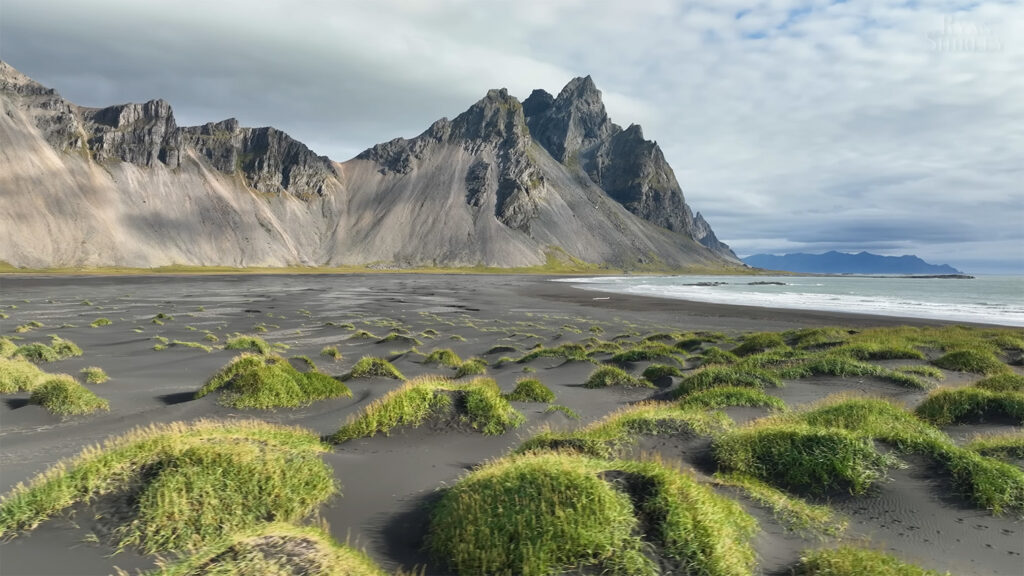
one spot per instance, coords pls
(895, 127)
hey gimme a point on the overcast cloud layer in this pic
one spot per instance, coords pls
(893, 127)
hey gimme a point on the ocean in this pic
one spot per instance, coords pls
(983, 299)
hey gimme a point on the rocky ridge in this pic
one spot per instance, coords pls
(502, 184)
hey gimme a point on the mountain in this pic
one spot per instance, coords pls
(506, 183)
(843, 263)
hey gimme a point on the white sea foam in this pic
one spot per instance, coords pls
(981, 301)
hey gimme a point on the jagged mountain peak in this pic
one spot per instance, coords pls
(573, 122)
(494, 117)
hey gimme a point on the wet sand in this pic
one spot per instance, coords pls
(386, 482)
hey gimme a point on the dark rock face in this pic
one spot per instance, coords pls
(495, 131)
(575, 129)
(270, 161)
(706, 236)
(141, 134)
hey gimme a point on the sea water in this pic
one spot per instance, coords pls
(983, 299)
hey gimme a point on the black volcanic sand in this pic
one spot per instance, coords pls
(387, 482)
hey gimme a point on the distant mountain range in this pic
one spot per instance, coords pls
(506, 184)
(843, 263)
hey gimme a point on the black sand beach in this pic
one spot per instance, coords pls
(387, 481)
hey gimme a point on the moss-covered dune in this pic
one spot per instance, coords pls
(270, 381)
(276, 549)
(17, 374)
(986, 482)
(605, 437)
(193, 484)
(478, 403)
(544, 513)
(62, 395)
(803, 458)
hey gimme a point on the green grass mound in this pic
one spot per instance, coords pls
(401, 338)
(836, 365)
(331, 352)
(608, 436)
(1003, 445)
(849, 561)
(880, 351)
(606, 376)
(546, 513)
(94, 375)
(17, 374)
(58, 349)
(1002, 383)
(444, 357)
(249, 343)
(277, 549)
(265, 382)
(971, 360)
(648, 351)
(370, 367)
(501, 349)
(568, 351)
(192, 485)
(759, 342)
(722, 376)
(661, 374)
(100, 322)
(946, 407)
(715, 398)
(802, 458)
(716, 355)
(791, 511)
(62, 395)
(478, 404)
(988, 483)
(7, 347)
(922, 370)
(471, 367)
(824, 337)
(530, 390)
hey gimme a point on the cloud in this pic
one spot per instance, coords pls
(791, 124)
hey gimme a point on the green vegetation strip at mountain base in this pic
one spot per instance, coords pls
(544, 513)
(265, 382)
(276, 549)
(244, 472)
(478, 403)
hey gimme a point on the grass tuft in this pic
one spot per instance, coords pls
(971, 404)
(369, 367)
(802, 458)
(568, 412)
(250, 343)
(850, 561)
(477, 403)
(444, 357)
(331, 352)
(193, 484)
(100, 322)
(530, 390)
(276, 549)
(606, 376)
(471, 367)
(1002, 383)
(759, 342)
(94, 375)
(971, 360)
(17, 374)
(715, 398)
(722, 376)
(62, 395)
(266, 382)
(1003, 445)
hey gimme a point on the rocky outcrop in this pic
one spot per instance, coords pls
(706, 236)
(269, 160)
(502, 184)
